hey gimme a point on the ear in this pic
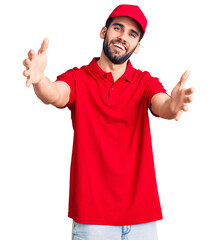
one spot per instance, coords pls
(103, 32)
(137, 48)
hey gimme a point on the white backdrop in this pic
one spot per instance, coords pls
(36, 139)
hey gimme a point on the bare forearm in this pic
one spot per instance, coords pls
(165, 110)
(161, 106)
(46, 90)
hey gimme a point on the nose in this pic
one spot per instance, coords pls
(123, 36)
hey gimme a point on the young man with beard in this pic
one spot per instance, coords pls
(113, 190)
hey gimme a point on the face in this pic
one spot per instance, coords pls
(121, 39)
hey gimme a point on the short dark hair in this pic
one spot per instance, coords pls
(110, 20)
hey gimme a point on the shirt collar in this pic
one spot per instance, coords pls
(128, 75)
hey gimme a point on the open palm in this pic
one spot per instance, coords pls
(180, 96)
(35, 64)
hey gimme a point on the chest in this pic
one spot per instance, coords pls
(110, 101)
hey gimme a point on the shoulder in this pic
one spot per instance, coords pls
(143, 76)
(68, 73)
(72, 73)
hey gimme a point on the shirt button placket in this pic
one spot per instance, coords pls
(112, 96)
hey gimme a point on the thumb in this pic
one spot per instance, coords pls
(184, 77)
(178, 115)
(44, 46)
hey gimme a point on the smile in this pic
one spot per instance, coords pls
(119, 46)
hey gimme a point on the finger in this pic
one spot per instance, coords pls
(178, 115)
(31, 54)
(185, 108)
(28, 82)
(188, 99)
(44, 46)
(189, 91)
(184, 77)
(26, 73)
(26, 63)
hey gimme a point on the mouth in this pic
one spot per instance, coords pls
(120, 46)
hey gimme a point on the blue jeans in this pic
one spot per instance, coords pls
(144, 231)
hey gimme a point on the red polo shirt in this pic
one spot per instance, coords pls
(112, 179)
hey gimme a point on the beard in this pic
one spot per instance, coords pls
(114, 56)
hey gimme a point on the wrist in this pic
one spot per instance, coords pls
(41, 79)
(166, 110)
(172, 108)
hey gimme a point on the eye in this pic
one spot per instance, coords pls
(117, 28)
(133, 35)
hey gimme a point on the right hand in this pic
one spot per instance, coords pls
(35, 64)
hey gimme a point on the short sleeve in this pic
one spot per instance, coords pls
(153, 86)
(69, 78)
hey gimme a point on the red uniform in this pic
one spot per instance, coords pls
(112, 179)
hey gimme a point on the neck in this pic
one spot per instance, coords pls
(106, 65)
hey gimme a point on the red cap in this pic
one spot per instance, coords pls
(132, 11)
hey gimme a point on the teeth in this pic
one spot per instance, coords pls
(120, 46)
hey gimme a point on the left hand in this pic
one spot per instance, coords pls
(180, 96)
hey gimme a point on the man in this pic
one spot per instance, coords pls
(113, 190)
